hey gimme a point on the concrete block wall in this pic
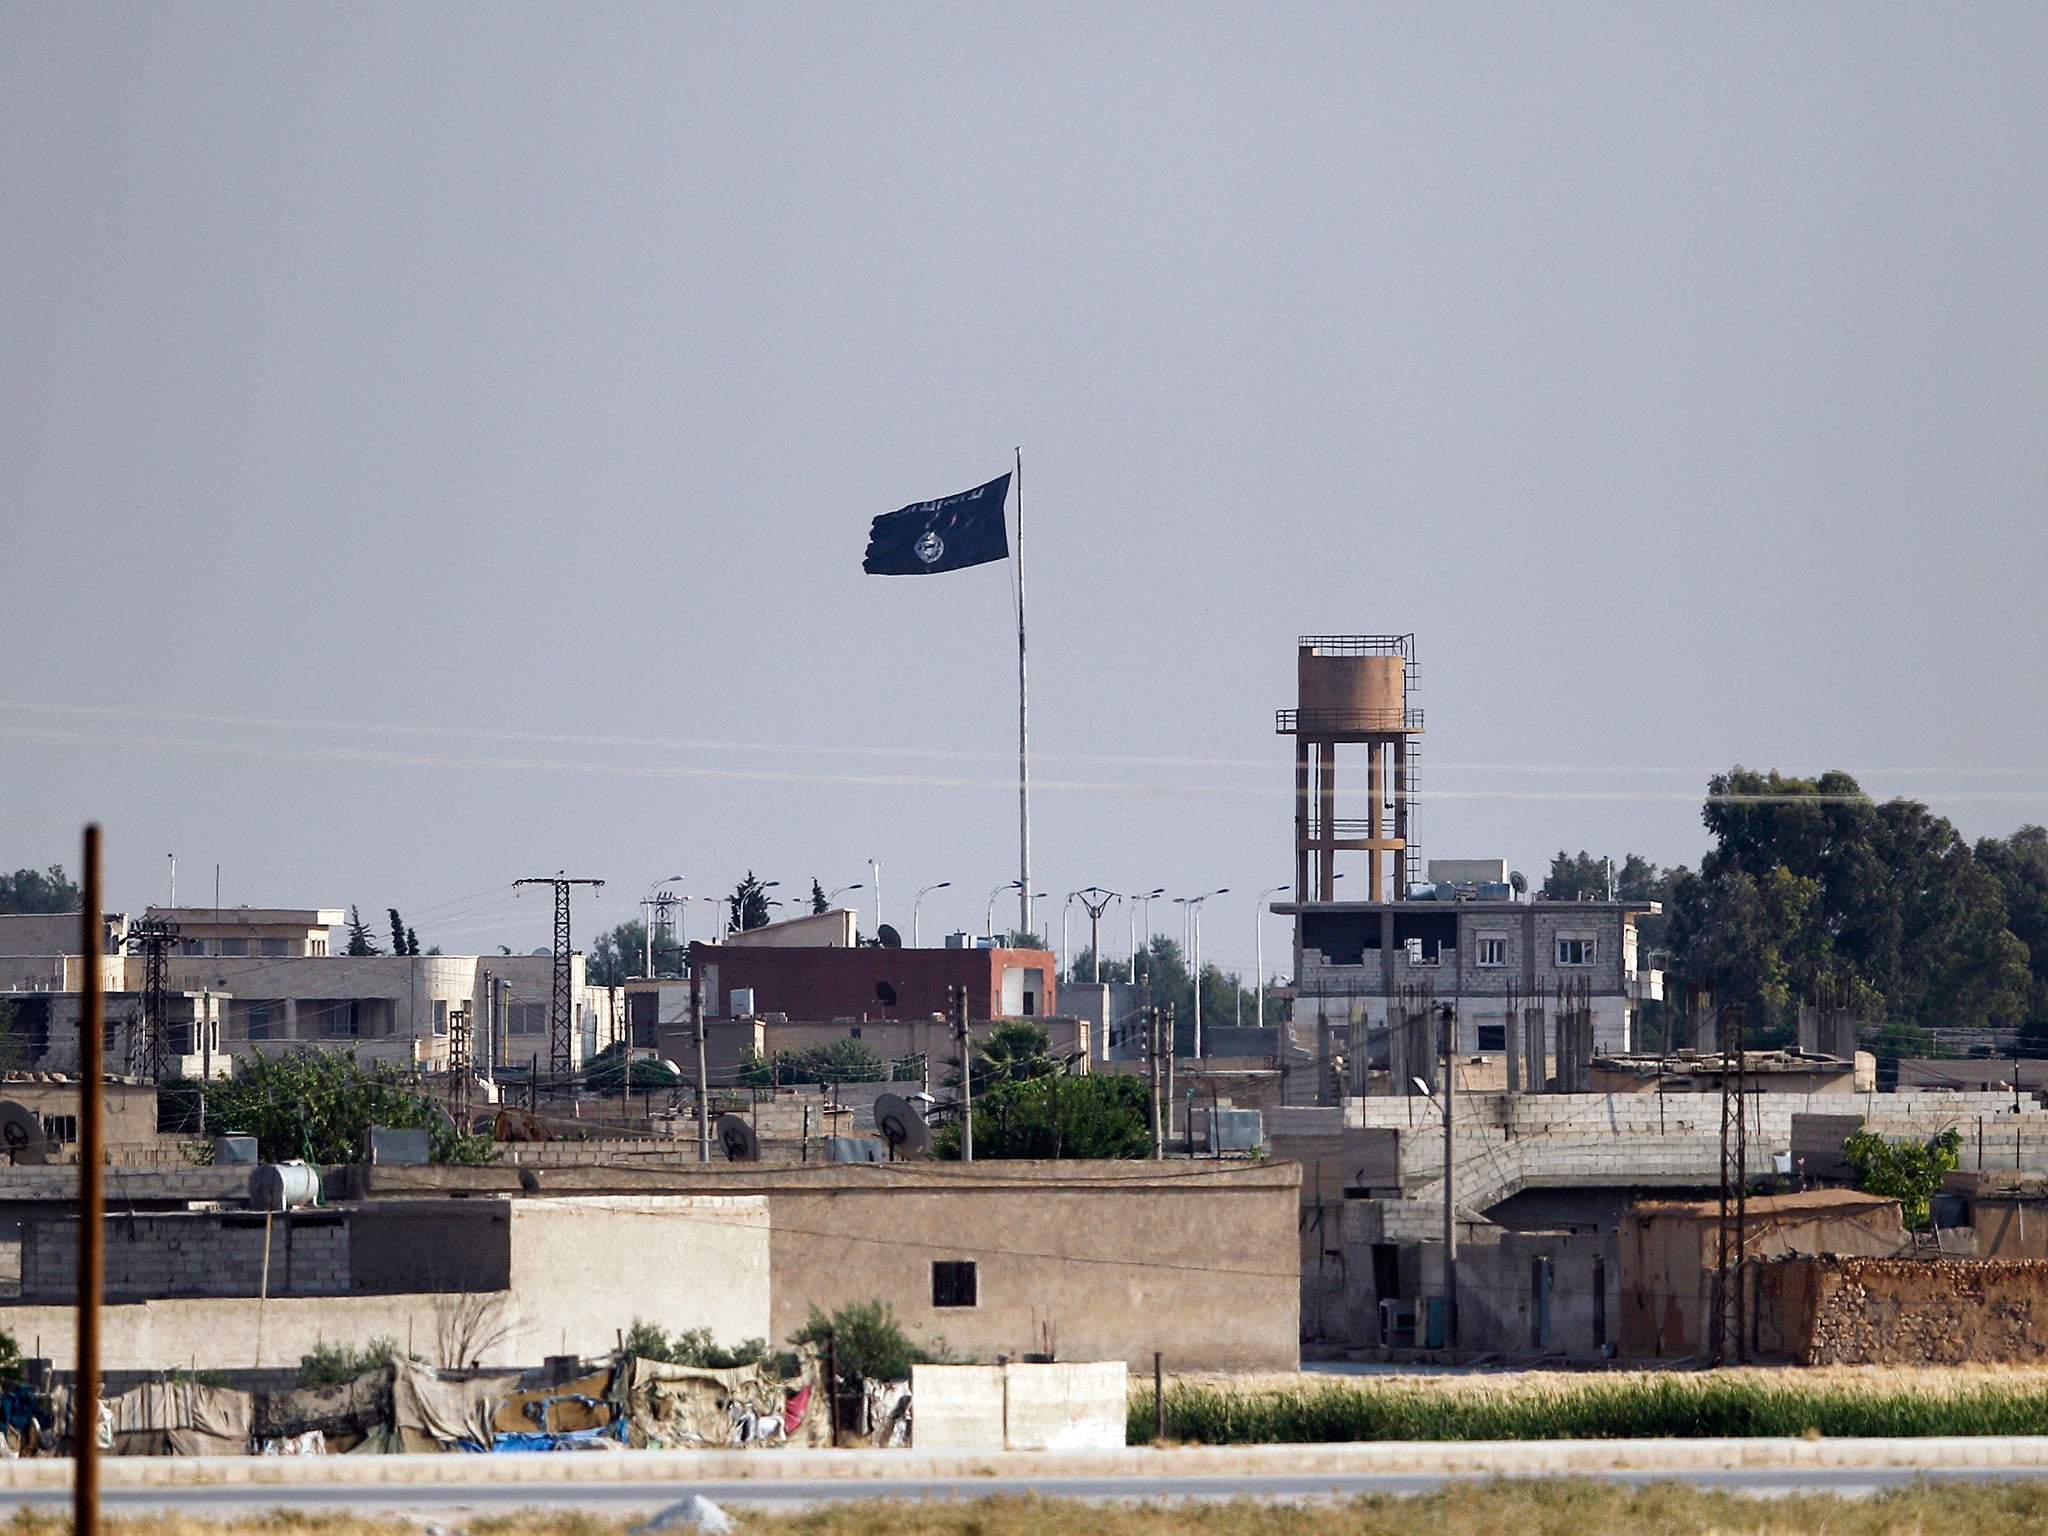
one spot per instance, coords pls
(176, 1254)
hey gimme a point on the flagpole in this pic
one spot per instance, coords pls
(1023, 728)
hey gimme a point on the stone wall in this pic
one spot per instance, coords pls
(1862, 1311)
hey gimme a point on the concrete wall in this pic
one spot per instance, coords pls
(302, 1253)
(1091, 1261)
(1869, 1311)
(582, 1272)
(1503, 1303)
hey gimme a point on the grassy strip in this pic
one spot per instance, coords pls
(1658, 1408)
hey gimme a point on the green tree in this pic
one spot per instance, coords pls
(608, 1070)
(1908, 1171)
(316, 1105)
(1811, 878)
(403, 940)
(869, 1344)
(836, 1061)
(2020, 866)
(621, 954)
(1012, 1052)
(31, 890)
(818, 902)
(359, 940)
(749, 904)
(1098, 1115)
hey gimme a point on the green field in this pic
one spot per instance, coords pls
(1659, 1406)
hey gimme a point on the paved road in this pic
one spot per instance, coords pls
(638, 1499)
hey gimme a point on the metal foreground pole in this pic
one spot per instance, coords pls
(1023, 729)
(92, 1046)
(703, 1082)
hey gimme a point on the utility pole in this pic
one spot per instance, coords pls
(1095, 901)
(149, 1056)
(561, 1007)
(1450, 1043)
(1730, 1309)
(1166, 1037)
(92, 1088)
(1194, 911)
(703, 1087)
(1158, 1082)
(459, 1064)
(957, 996)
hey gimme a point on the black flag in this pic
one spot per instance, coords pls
(944, 535)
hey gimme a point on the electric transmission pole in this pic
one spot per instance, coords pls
(149, 1055)
(561, 1009)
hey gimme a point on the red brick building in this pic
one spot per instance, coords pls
(832, 982)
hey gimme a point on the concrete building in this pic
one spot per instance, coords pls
(833, 982)
(1091, 1261)
(1670, 1258)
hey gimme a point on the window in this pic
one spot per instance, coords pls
(1493, 1037)
(1576, 948)
(234, 946)
(440, 1015)
(1425, 952)
(953, 1283)
(526, 1018)
(275, 946)
(1493, 949)
(61, 1128)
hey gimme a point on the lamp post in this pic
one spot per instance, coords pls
(876, 865)
(1066, 908)
(856, 886)
(1144, 901)
(1193, 904)
(1259, 943)
(988, 921)
(940, 886)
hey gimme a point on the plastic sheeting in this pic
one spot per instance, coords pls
(441, 1411)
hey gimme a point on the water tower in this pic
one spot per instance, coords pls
(1353, 691)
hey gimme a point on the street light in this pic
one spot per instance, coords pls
(647, 903)
(988, 921)
(856, 886)
(1259, 942)
(876, 865)
(1143, 900)
(1193, 906)
(942, 885)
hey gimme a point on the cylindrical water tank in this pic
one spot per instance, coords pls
(1368, 690)
(284, 1186)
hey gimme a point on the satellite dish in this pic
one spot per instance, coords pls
(888, 937)
(901, 1125)
(1518, 882)
(21, 1134)
(737, 1137)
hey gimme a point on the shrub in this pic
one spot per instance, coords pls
(315, 1105)
(868, 1343)
(691, 1346)
(329, 1365)
(1909, 1171)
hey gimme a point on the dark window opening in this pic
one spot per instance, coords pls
(1436, 930)
(953, 1283)
(61, 1128)
(1343, 937)
(1599, 1303)
(885, 994)
(1386, 1271)
(1493, 1037)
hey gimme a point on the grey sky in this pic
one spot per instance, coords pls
(1675, 373)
